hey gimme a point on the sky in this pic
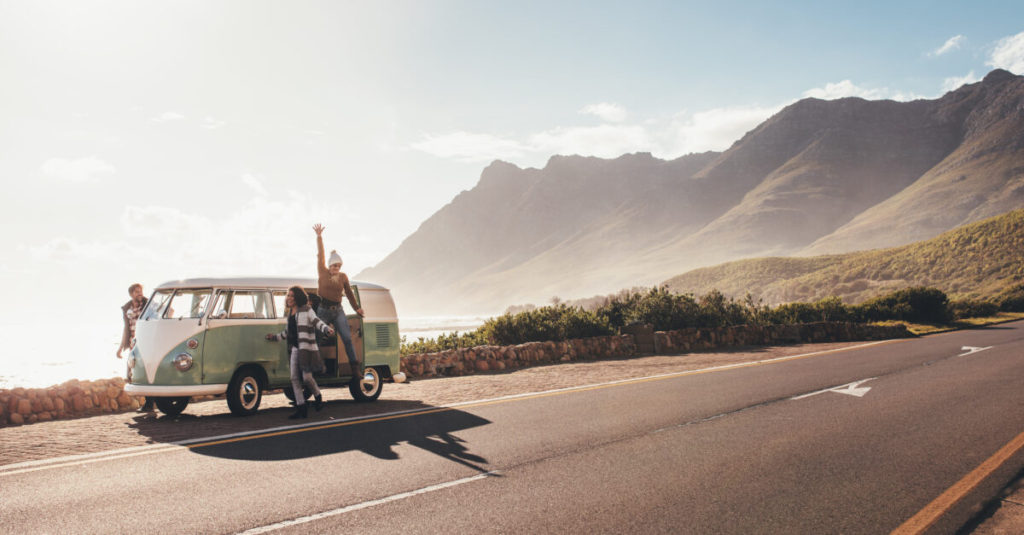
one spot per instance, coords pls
(146, 141)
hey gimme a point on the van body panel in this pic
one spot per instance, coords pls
(232, 343)
(159, 340)
(381, 344)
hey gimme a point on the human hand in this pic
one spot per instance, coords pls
(271, 337)
(330, 331)
(118, 353)
(318, 228)
(360, 312)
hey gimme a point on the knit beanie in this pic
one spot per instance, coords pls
(335, 258)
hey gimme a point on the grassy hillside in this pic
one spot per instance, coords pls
(977, 260)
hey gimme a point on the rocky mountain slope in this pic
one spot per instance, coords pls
(818, 177)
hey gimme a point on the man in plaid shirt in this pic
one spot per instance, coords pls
(131, 311)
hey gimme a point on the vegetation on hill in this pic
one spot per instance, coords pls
(979, 260)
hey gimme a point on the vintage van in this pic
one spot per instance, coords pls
(200, 337)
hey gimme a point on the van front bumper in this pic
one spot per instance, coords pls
(175, 391)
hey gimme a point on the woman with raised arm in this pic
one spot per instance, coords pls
(332, 284)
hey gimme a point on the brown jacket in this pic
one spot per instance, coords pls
(127, 334)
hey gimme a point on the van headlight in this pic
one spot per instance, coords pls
(183, 362)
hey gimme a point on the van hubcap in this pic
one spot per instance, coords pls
(370, 381)
(248, 392)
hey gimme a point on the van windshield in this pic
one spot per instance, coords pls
(178, 304)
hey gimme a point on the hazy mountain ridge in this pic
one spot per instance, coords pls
(818, 177)
(978, 260)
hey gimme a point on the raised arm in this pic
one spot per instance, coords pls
(321, 260)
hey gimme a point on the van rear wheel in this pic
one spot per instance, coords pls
(367, 387)
(245, 392)
(171, 406)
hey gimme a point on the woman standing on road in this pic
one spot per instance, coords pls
(331, 285)
(304, 354)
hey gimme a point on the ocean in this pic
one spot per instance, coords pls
(38, 356)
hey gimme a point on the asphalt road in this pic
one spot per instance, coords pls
(853, 441)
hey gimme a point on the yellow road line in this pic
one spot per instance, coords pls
(472, 404)
(938, 507)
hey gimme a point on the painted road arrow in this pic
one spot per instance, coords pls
(851, 389)
(971, 349)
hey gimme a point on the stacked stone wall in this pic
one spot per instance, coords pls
(76, 398)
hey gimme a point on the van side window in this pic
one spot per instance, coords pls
(282, 311)
(246, 304)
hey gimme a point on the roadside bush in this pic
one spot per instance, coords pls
(443, 342)
(973, 308)
(917, 304)
(559, 322)
(1012, 299)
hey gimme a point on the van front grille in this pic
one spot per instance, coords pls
(383, 336)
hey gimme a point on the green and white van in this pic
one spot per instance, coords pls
(201, 337)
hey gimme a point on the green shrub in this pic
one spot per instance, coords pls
(1012, 299)
(443, 342)
(558, 322)
(917, 304)
(973, 308)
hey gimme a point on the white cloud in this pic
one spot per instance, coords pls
(167, 117)
(846, 88)
(605, 141)
(1009, 54)
(469, 147)
(716, 129)
(953, 43)
(255, 184)
(211, 124)
(606, 111)
(949, 84)
(78, 170)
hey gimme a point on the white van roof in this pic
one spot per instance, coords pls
(256, 282)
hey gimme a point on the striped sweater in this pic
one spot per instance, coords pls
(309, 353)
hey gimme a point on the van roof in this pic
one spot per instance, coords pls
(256, 282)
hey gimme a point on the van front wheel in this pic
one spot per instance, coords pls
(171, 406)
(244, 393)
(367, 387)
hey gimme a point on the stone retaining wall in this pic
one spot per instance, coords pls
(75, 398)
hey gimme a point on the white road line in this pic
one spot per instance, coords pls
(364, 505)
(75, 460)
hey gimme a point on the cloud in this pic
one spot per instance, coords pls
(949, 84)
(951, 44)
(716, 129)
(605, 141)
(1008, 54)
(846, 88)
(612, 113)
(255, 184)
(79, 170)
(468, 147)
(168, 116)
(211, 124)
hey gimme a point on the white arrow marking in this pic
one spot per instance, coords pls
(972, 349)
(849, 388)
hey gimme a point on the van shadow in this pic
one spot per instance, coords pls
(268, 435)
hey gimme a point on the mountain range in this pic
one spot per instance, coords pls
(819, 177)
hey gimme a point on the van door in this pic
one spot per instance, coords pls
(236, 334)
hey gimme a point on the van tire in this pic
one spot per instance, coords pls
(245, 391)
(367, 390)
(171, 406)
